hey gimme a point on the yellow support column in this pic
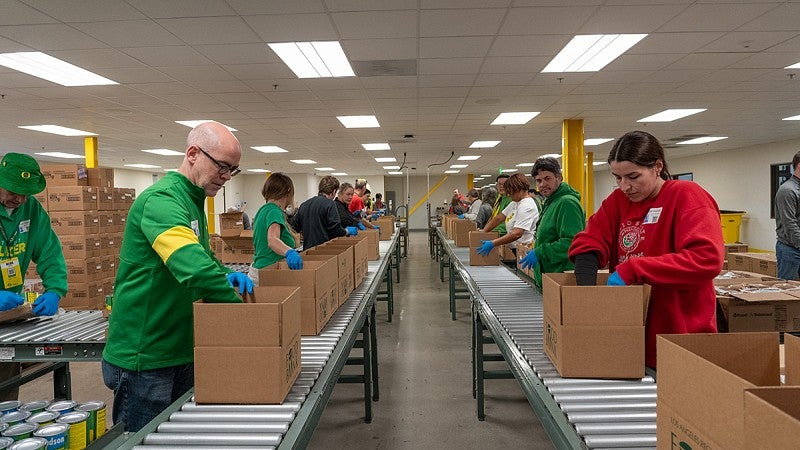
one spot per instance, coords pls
(588, 199)
(212, 227)
(90, 151)
(470, 181)
(572, 153)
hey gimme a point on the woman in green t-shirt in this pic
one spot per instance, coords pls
(271, 237)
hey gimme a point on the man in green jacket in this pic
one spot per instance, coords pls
(26, 236)
(500, 204)
(165, 265)
(561, 219)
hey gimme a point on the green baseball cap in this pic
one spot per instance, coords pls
(21, 174)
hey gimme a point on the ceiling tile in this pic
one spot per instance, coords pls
(210, 30)
(449, 66)
(292, 27)
(159, 9)
(629, 18)
(50, 37)
(380, 49)
(451, 47)
(784, 17)
(376, 24)
(249, 7)
(371, 5)
(461, 22)
(545, 20)
(86, 10)
(17, 13)
(167, 56)
(716, 17)
(129, 33)
(747, 42)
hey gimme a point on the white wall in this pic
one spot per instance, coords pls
(418, 188)
(738, 179)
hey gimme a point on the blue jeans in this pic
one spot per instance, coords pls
(788, 261)
(140, 396)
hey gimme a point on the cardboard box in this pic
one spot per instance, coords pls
(123, 198)
(74, 222)
(21, 312)
(239, 250)
(765, 263)
(475, 238)
(100, 177)
(105, 220)
(120, 219)
(461, 229)
(42, 198)
(735, 248)
(84, 270)
(318, 282)
(360, 251)
(594, 331)
(386, 225)
(105, 199)
(344, 264)
(701, 384)
(84, 296)
(65, 175)
(772, 418)
(373, 243)
(231, 224)
(775, 308)
(522, 251)
(72, 198)
(732, 277)
(80, 246)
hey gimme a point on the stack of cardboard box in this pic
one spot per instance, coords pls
(234, 244)
(757, 262)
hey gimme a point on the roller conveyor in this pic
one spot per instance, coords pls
(577, 413)
(186, 424)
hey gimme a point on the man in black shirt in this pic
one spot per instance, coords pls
(318, 219)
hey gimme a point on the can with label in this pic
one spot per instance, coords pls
(5, 442)
(57, 436)
(33, 443)
(96, 423)
(77, 428)
(3, 427)
(109, 302)
(34, 406)
(62, 407)
(31, 296)
(43, 418)
(9, 406)
(20, 431)
(15, 417)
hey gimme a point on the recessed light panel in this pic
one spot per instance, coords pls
(55, 129)
(194, 123)
(452, 171)
(793, 66)
(591, 52)
(551, 155)
(514, 118)
(324, 169)
(793, 117)
(509, 170)
(303, 161)
(596, 141)
(525, 164)
(163, 152)
(386, 159)
(484, 144)
(391, 167)
(142, 166)
(703, 140)
(61, 155)
(359, 121)
(395, 173)
(320, 59)
(52, 69)
(269, 149)
(339, 174)
(669, 115)
(468, 157)
(459, 166)
(259, 170)
(376, 146)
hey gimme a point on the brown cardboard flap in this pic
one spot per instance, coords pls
(772, 417)
(791, 347)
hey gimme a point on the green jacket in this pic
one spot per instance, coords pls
(499, 205)
(30, 237)
(165, 264)
(265, 217)
(561, 219)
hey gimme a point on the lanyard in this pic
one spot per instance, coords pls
(8, 241)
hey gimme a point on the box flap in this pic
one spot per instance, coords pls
(791, 348)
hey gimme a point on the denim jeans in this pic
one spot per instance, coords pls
(788, 261)
(140, 396)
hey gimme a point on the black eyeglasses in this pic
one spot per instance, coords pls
(223, 168)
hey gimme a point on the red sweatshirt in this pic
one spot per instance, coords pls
(672, 242)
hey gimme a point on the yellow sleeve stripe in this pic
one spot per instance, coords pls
(172, 240)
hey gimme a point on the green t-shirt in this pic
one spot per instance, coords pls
(265, 217)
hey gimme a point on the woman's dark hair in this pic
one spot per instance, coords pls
(640, 148)
(378, 196)
(277, 186)
(344, 186)
(516, 183)
(546, 164)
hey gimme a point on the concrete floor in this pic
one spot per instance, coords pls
(425, 380)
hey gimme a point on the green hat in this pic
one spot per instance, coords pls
(21, 174)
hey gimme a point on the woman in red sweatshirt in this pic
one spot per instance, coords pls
(658, 231)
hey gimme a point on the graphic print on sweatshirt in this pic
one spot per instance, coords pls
(631, 234)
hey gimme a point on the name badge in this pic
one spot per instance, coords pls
(24, 226)
(652, 215)
(12, 275)
(196, 228)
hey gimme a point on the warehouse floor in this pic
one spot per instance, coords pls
(425, 379)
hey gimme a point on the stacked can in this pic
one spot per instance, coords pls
(57, 436)
(96, 423)
(20, 431)
(77, 428)
(9, 406)
(5, 442)
(33, 443)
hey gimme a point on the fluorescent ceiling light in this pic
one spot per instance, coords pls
(61, 155)
(703, 140)
(142, 166)
(458, 166)
(514, 118)
(303, 161)
(163, 152)
(386, 159)
(259, 170)
(52, 69)
(376, 146)
(591, 52)
(320, 59)
(452, 171)
(269, 149)
(170, 170)
(793, 66)
(484, 144)
(551, 155)
(528, 175)
(55, 129)
(596, 141)
(324, 169)
(339, 174)
(395, 173)
(468, 157)
(525, 164)
(793, 117)
(486, 176)
(359, 121)
(509, 170)
(668, 115)
(477, 179)
(598, 163)
(391, 167)
(194, 123)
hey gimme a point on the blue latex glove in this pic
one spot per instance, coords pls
(46, 304)
(485, 248)
(374, 216)
(241, 280)
(357, 213)
(375, 227)
(529, 260)
(294, 260)
(615, 280)
(361, 226)
(351, 231)
(9, 300)
(460, 216)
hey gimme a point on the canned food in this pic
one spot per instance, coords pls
(9, 406)
(109, 302)
(30, 296)
(15, 417)
(57, 436)
(77, 428)
(5, 442)
(20, 431)
(3, 427)
(33, 443)
(34, 406)
(96, 423)
(43, 418)
(63, 406)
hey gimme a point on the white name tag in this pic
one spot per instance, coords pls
(652, 215)
(24, 226)
(196, 228)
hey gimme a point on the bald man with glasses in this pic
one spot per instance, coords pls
(165, 265)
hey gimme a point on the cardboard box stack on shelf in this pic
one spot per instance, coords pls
(88, 214)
